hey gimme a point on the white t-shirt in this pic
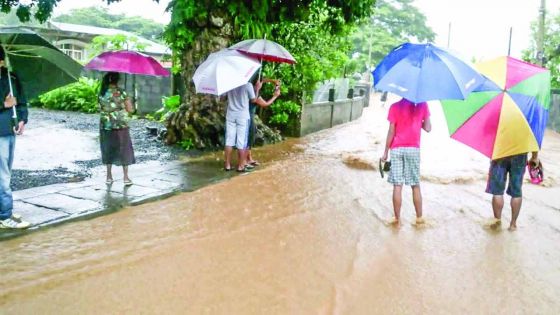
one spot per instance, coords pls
(238, 102)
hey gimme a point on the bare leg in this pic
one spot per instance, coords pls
(497, 206)
(125, 173)
(417, 199)
(515, 209)
(397, 202)
(227, 157)
(241, 158)
(249, 156)
(109, 173)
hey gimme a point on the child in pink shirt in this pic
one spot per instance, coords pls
(403, 139)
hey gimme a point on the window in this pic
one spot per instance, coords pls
(74, 51)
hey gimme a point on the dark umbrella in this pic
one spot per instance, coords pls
(40, 66)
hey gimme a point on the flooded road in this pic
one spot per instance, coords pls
(305, 234)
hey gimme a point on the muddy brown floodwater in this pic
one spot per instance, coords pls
(305, 234)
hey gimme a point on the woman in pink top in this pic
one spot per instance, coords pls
(403, 139)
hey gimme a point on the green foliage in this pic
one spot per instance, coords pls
(253, 19)
(102, 17)
(103, 43)
(186, 144)
(79, 96)
(40, 10)
(282, 111)
(11, 19)
(321, 53)
(551, 47)
(170, 104)
(393, 22)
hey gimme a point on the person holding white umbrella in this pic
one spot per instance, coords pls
(229, 72)
(238, 121)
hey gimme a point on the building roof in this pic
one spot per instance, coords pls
(151, 46)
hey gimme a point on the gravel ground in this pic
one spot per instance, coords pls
(146, 147)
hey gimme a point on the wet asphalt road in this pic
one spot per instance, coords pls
(62, 147)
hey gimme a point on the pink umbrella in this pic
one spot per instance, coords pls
(126, 61)
(265, 50)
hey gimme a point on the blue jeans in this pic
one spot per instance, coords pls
(7, 146)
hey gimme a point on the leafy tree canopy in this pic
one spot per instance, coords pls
(551, 47)
(41, 10)
(102, 17)
(392, 23)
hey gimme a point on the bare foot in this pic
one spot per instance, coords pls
(419, 223)
(495, 224)
(395, 222)
(512, 227)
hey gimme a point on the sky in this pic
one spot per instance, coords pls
(479, 28)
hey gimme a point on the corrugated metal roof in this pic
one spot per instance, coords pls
(151, 46)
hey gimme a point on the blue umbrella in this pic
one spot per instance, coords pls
(424, 72)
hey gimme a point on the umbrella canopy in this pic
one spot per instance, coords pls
(39, 65)
(265, 50)
(424, 72)
(507, 114)
(126, 61)
(224, 71)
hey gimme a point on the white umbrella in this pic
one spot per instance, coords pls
(264, 50)
(224, 71)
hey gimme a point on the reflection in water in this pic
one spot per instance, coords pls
(305, 233)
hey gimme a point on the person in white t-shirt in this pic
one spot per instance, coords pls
(238, 119)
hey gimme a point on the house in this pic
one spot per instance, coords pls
(74, 39)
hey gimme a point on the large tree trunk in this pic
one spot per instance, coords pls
(200, 120)
(201, 116)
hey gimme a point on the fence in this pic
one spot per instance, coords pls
(554, 111)
(323, 115)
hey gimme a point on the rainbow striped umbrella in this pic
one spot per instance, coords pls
(507, 114)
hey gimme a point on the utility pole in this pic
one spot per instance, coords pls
(449, 35)
(540, 37)
(509, 45)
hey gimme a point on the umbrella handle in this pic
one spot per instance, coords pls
(14, 113)
(7, 61)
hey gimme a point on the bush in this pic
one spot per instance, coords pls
(282, 110)
(170, 105)
(79, 96)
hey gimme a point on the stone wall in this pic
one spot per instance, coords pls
(554, 111)
(319, 116)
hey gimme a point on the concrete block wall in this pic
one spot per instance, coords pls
(554, 111)
(363, 89)
(319, 116)
(150, 90)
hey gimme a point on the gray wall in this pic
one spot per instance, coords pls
(319, 116)
(554, 111)
(363, 89)
(150, 89)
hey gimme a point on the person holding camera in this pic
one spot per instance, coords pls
(252, 127)
(237, 122)
(406, 120)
